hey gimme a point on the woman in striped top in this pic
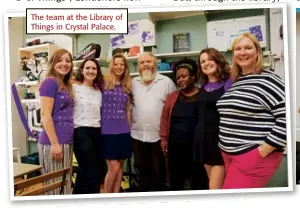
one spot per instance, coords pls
(252, 119)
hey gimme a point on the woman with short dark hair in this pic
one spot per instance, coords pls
(178, 122)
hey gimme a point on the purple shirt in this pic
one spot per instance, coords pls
(62, 113)
(211, 86)
(113, 113)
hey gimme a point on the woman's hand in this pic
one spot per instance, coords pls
(265, 149)
(164, 147)
(56, 151)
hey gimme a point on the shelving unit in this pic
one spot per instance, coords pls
(168, 55)
(28, 55)
(29, 51)
(27, 84)
(78, 62)
(29, 101)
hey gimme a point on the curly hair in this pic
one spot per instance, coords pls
(223, 69)
(188, 64)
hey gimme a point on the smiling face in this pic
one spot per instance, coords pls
(245, 54)
(208, 65)
(119, 66)
(89, 71)
(184, 79)
(63, 65)
(147, 67)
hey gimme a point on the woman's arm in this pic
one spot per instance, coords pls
(164, 120)
(47, 104)
(48, 91)
(128, 112)
(164, 125)
(276, 139)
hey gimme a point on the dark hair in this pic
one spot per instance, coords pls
(188, 64)
(117, 50)
(99, 78)
(223, 69)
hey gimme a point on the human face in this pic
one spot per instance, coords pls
(184, 79)
(146, 67)
(63, 66)
(89, 71)
(245, 54)
(119, 66)
(208, 65)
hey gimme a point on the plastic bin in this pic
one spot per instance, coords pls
(34, 160)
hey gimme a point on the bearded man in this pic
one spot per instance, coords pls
(149, 92)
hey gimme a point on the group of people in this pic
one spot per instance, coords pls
(228, 133)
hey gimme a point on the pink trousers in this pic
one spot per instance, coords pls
(250, 170)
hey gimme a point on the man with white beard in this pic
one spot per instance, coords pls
(149, 91)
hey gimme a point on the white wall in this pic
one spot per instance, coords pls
(277, 45)
(297, 74)
(16, 40)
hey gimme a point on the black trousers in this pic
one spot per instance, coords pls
(149, 165)
(184, 174)
(90, 172)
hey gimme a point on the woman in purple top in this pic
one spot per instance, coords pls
(55, 144)
(115, 121)
(214, 79)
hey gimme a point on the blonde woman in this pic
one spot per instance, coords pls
(252, 119)
(55, 144)
(115, 121)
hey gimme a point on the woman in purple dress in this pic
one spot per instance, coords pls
(115, 121)
(55, 144)
(214, 80)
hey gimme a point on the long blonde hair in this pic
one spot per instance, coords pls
(236, 70)
(64, 83)
(110, 78)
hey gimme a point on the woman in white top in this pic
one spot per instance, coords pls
(87, 105)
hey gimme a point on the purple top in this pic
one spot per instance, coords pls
(211, 86)
(113, 114)
(62, 113)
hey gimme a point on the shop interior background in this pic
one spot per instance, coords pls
(162, 26)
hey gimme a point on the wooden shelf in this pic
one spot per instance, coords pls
(39, 129)
(27, 101)
(135, 58)
(32, 139)
(26, 84)
(180, 54)
(168, 55)
(78, 62)
(35, 47)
